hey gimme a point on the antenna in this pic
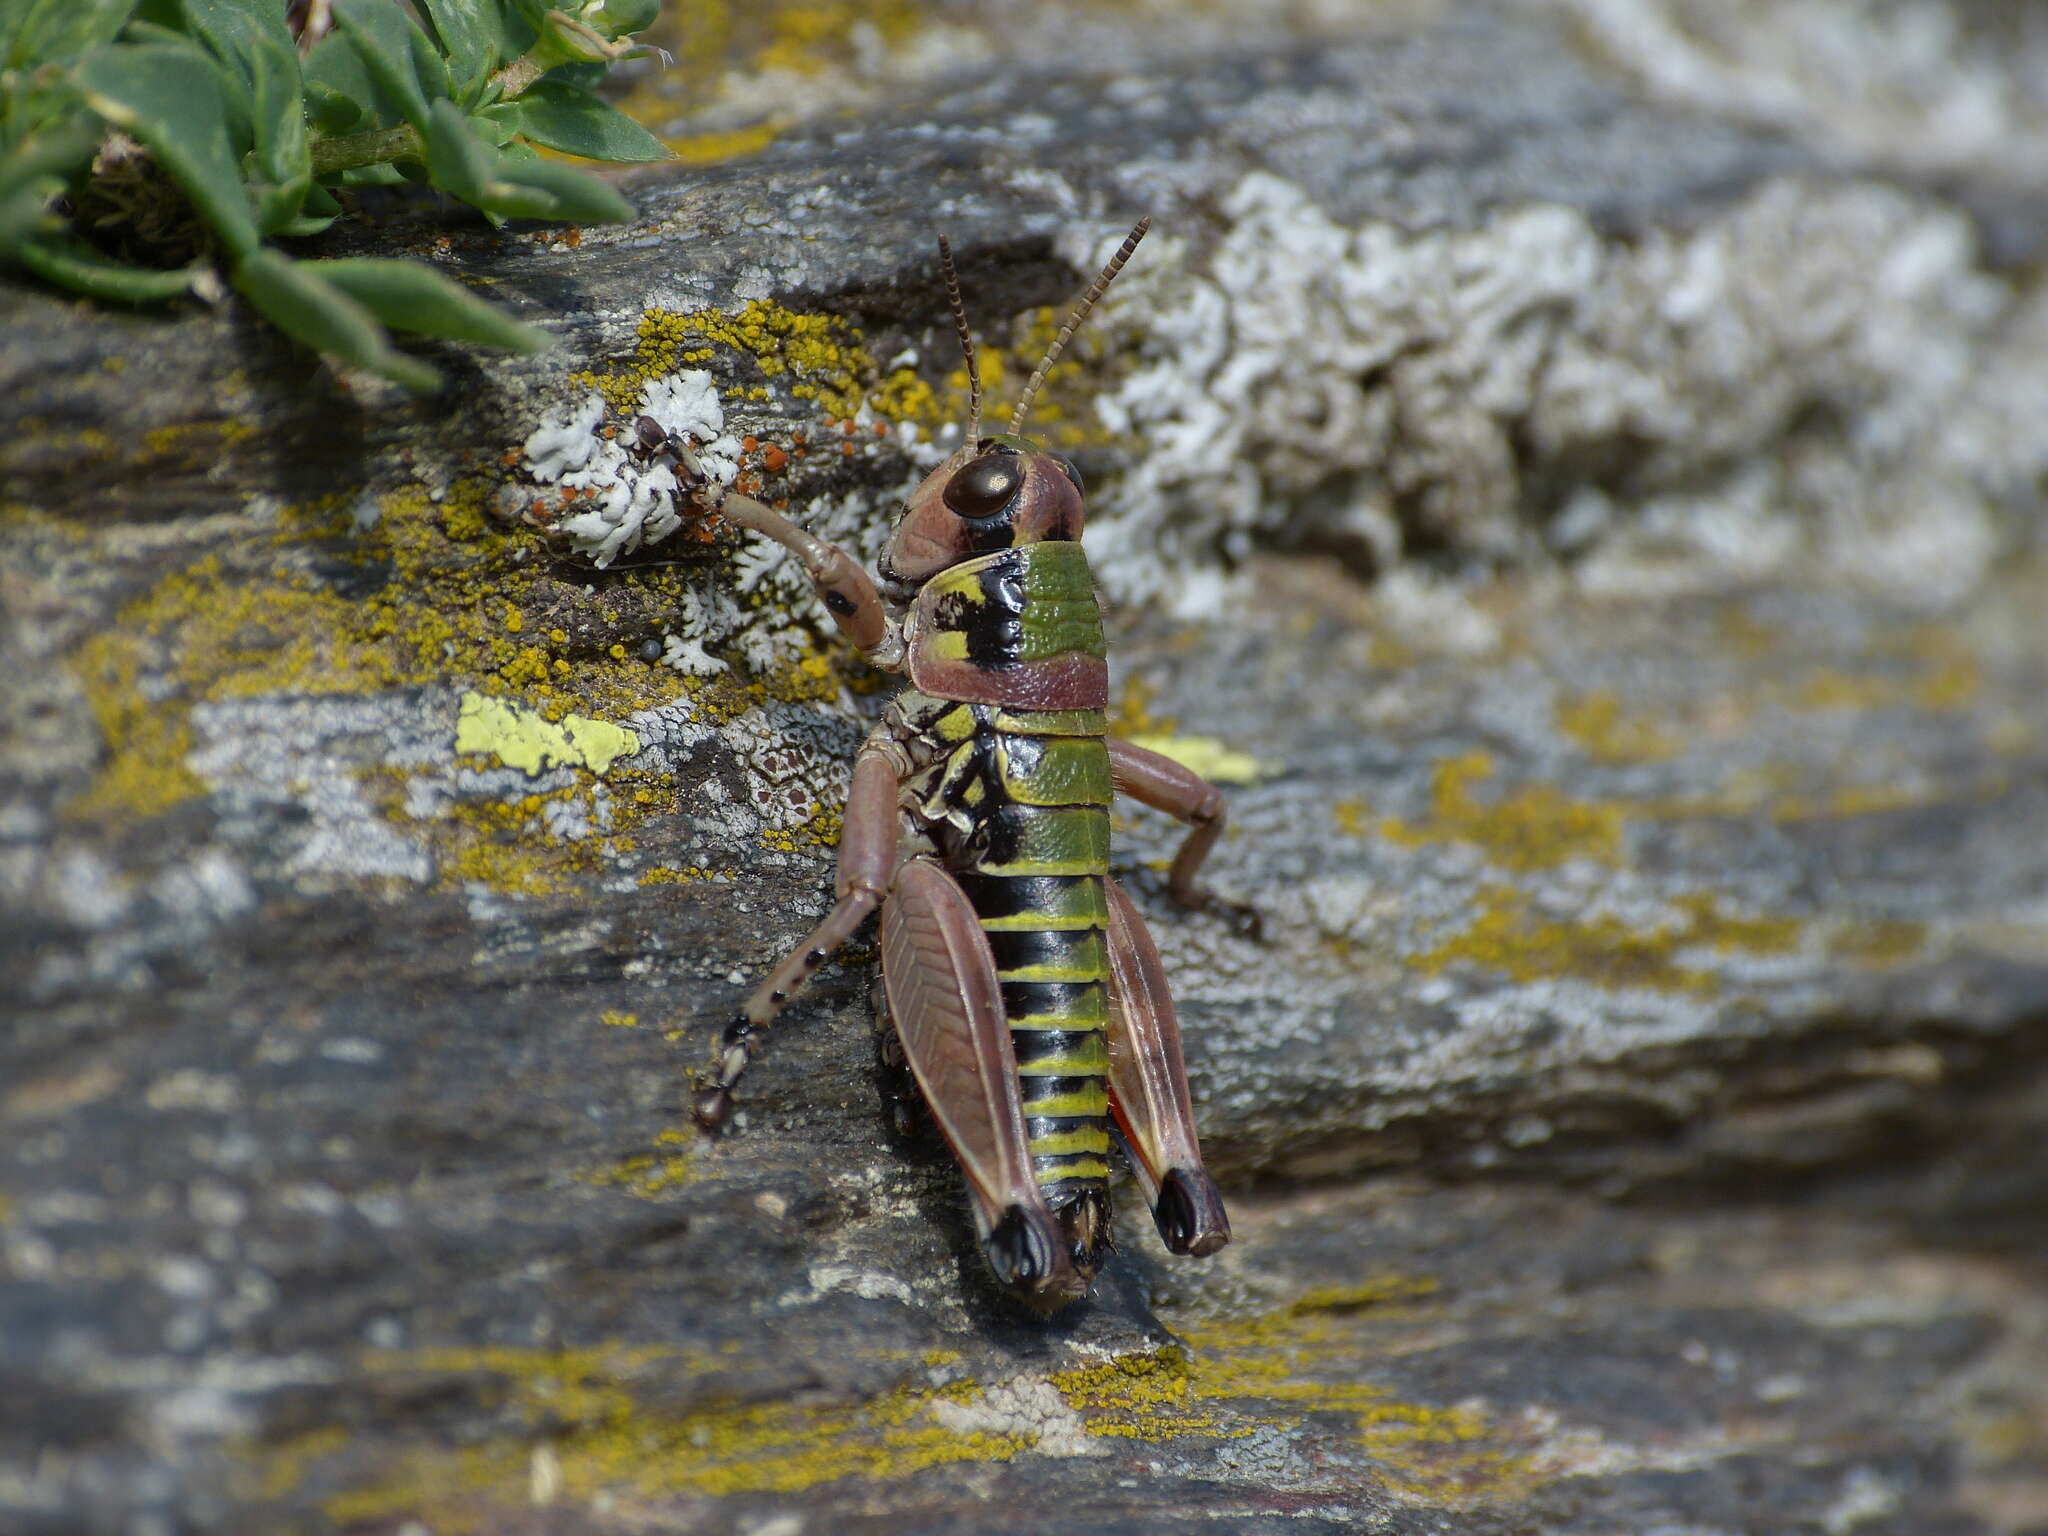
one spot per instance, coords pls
(1059, 342)
(968, 444)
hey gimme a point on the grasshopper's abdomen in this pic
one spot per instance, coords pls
(1023, 804)
(1033, 866)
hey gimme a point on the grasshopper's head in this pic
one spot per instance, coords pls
(996, 492)
(1007, 494)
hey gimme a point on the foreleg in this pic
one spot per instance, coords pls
(867, 862)
(845, 589)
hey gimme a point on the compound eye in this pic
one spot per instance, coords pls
(985, 487)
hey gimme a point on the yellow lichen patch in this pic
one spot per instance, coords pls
(715, 145)
(1132, 715)
(146, 743)
(524, 739)
(1879, 942)
(1214, 761)
(281, 1468)
(1708, 925)
(713, 41)
(442, 596)
(610, 1438)
(1854, 800)
(688, 875)
(812, 37)
(1534, 828)
(1238, 1374)
(198, 441)
(823, 830)
(606, 1441)
(1939, 675)
(825, 356)
(646, 1175)
(617, 1018)
(1596, 722)
(1353, 816)
(1743, 635)
(1508, 936)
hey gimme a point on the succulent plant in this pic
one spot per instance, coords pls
(153, 148)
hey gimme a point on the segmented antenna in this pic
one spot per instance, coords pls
(970, 443)
(1059, 342)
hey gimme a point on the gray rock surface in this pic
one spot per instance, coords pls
(1593, 523)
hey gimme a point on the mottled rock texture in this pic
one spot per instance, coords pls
(1579, 468)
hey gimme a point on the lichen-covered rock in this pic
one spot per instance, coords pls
(1652, 857)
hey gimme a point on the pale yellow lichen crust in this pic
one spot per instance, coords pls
(1306, 1366)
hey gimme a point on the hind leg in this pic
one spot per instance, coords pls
(1148, 1089)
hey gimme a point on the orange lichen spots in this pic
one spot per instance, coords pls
(1534, 828)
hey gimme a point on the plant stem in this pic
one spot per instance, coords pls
(518, 75)
(373, 148)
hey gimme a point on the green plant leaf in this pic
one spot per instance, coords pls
(572, 120)
(170, 100)
(311, 310)
(478, 36)
(328, 110)
(33, 172)
(250, 40)
(578, 196)
(71, 264)
(622, 18)
(57, 31)
(382, 36)
(334, 69)
(408, 296)
(457, 160)
(586, 73)
(370, 176)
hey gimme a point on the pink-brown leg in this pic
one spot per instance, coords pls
(1148, 1089)
(1154, 779)
(867, 862)
(842, 586)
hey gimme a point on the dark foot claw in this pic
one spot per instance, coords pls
(1241, 917)
(712, 1107)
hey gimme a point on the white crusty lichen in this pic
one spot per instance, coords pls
(634, 500)
(1801, 374)
(1818, 370)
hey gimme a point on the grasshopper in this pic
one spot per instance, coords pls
(1027, 997)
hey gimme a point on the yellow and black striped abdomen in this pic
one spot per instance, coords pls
(1036, 789)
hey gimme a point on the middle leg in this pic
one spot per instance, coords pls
(867, 863)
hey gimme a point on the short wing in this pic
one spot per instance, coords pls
(948, 1008)
(1148, 1087)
